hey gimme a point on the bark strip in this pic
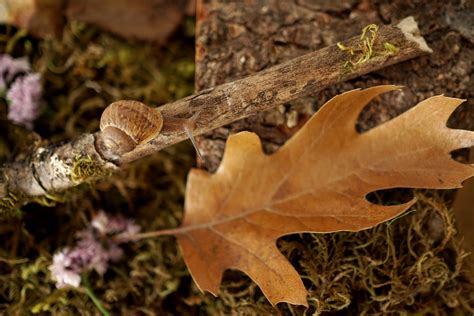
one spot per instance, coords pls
(58, 167)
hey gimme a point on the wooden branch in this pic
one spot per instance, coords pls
(58, 167)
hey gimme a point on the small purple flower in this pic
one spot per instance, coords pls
(24, 96)
(64, 270)
(22, 89)
(115, 225)
(10, 67)
(95, 248)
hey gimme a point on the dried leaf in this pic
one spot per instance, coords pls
(317, 182)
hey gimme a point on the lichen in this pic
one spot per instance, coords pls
(49, 199)
(86, 169)
(366, 48)
(390, 49)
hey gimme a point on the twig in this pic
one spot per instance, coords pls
(52, 169)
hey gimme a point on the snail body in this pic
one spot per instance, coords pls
(127, 124)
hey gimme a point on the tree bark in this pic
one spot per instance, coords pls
(238, 38)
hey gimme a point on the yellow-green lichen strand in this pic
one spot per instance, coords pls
(366, 48)
(9, 207)
(85, 168)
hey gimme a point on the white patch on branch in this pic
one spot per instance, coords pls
(410, 29)
(60, 168)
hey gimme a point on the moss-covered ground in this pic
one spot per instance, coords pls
(413, 265)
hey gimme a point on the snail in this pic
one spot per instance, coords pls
(126, 124)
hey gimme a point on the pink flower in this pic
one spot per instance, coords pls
(64, 270)
(24, 96)
(115, 225)
(95, 248)
(22, 89)
(10, 67)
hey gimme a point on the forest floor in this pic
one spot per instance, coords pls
(414, 264)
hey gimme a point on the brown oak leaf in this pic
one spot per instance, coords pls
(317, 182)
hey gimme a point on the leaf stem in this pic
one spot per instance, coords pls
(158, 233)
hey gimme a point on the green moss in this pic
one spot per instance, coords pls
(83, 72)
(87, 70)
(9, 208)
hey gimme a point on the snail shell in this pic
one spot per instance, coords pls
(127, 124)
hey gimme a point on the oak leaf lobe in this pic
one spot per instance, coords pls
(316, 182)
